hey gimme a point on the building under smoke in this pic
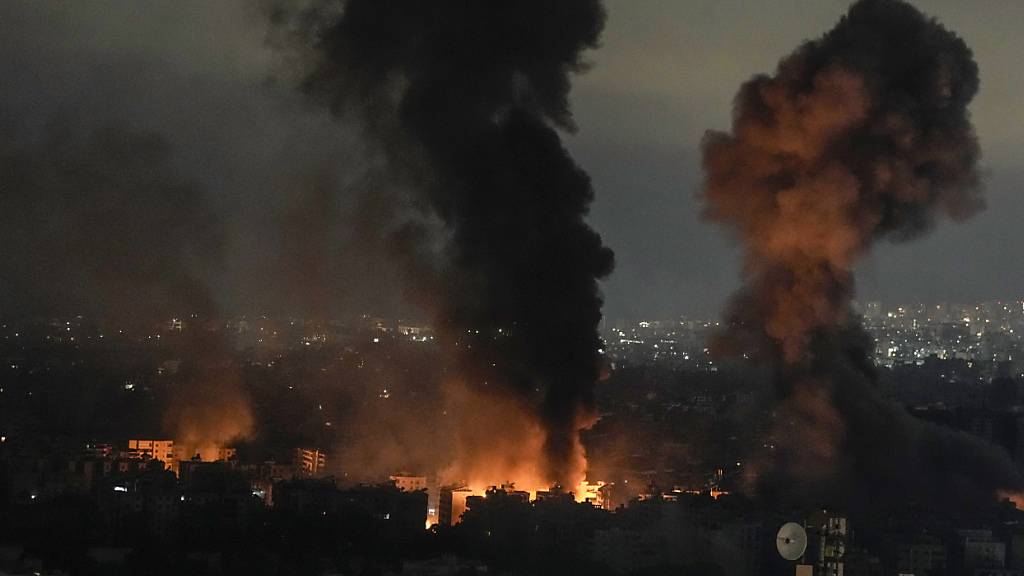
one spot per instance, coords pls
(479, 201)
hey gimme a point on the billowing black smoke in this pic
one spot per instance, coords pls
(861, 135)
(463, 101)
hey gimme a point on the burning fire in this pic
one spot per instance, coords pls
(499, 442)
(209, 432)
(499, 445)
(1017, 498)
(210, 417)
(585, 492)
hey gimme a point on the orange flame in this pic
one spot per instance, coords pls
(211, 415)
(499, 442)
(1017, 498)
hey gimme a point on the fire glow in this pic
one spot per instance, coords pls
(861, 135)
(455, 500)
(500, 442)
(511, 282)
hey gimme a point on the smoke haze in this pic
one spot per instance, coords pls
(95, 220)
(861, 135)
(166, 113)
(462, 101)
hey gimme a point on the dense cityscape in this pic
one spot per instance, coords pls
(94, 474)
(393, 288)
(987, 332)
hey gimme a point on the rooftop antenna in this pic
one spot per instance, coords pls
(791, 541)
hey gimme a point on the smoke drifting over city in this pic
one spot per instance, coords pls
(95, 219)
(511, 287)
(462, 102)
(859, 136)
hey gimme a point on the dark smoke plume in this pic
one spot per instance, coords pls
(861, 135)
(463, 101)
(94, 220)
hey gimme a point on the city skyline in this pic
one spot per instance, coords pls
(452, 287)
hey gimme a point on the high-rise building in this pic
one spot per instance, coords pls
(451, 505)
(310, 461)
(981, 550)
(924, 554)
(162, 450)
(409, 483)
(829, 537)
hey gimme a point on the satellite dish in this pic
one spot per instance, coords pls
(791, 541)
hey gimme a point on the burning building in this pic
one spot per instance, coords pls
(409, 482)
(310, 461)
(209, 409)
(162, 450)
(461, 105)
(452, 503)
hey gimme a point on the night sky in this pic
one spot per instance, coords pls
(277, 173)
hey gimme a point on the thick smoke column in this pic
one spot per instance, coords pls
(861, 135)
(464, 100)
